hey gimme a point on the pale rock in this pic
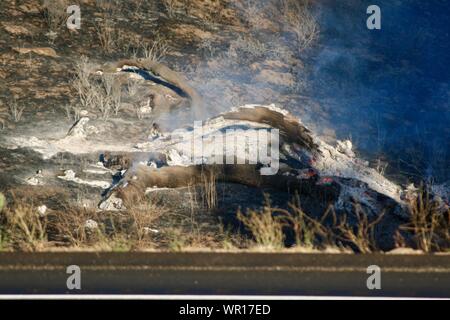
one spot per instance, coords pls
(112, 204)
(92, 130)
(34, 181)
(91, 224)
(42, 210)
(69, 174)
(77, 129)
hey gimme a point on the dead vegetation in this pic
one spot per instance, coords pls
(154, 51)
(209, 186)
(246, 49)
(114, 40)
(73, 112)
(82, 84)
(15, 110)
(429, 227)
(147, 224)
(54, 12)
(4, 115)
(300, 21)
(429, 222)
(269, 227)
(295, 17)
(266, 228)
(101, 95)
(26, 227)
(361, 233)
(171, 7)
(107, 35)
(136, 228)
(309, 232)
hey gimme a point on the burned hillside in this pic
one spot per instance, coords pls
(219, 124)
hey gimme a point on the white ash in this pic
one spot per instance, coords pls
(112, 204)
(91, 224)
(148, 230)
(42, 210)
(334, 161)
(78, 129)
(345, 147)
(69, 175)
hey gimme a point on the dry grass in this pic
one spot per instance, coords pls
(15, 110)
(127, 230)
(4, 114)
(110, 93)
(132, 87)
(2, 201)
(101, 100)
(70, 228)
(429, 226)
(156, 51)
(194, 238)
(138, 6)
(246, 49)
(294, 15)
(266, 228)
(73, 113)
(171, 7)
(25, 229)
(55, 14)
(209, 187)
(254, 13)
(113, 90)
(103, 95)
(82, 83)
(300, 21)
(146, 224)
(269, 226)
(177, 239)
(360, 233)
(193, 202)
(111, 37)
(106, 34)
(429, 222)
(309, 232)
(108, 5)
(143, 217)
